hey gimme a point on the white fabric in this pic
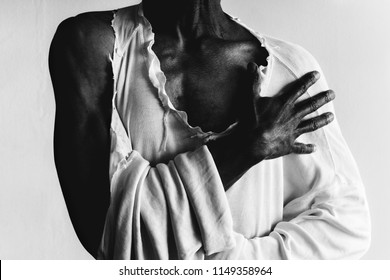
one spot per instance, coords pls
(167, 200)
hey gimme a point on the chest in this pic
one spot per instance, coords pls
(207, 78)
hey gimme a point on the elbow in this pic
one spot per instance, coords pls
(366, 244)
(364, 236)
(361, 246)
(353, 213)
(363, 228)
(351, 227)
(359, 231)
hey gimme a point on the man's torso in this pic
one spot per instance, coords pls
(206, 77)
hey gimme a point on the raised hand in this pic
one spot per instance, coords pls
(269, 126)
(274, 123)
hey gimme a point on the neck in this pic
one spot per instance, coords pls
(188, 18)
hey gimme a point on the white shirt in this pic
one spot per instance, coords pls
(167, 199)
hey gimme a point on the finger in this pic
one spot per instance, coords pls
(312, 104)
(300, 86)
(300, 148)
(253, 70)
(252, 67)
(315, 123)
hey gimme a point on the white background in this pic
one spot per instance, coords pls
(349, 38)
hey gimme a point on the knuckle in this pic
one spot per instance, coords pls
(297, 148)
(303, 148)
(315, 125)
(298, 132)
(303, 81)
(308, 80)
(297, 111)
(314, 105)
(310, 148)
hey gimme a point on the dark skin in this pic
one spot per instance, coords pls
(211, 67)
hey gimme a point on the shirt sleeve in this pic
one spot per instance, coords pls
(177, 210)
(329, 219)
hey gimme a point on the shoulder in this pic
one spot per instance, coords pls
(79, 59)
(86, 20)
(296, 58)
(84, 35)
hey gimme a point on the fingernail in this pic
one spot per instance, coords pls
(316, 75)
(332, 95)
(330, 117)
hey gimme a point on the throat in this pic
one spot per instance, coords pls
(187, 18)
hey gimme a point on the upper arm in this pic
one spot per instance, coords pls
(82, 80)
(79, 60)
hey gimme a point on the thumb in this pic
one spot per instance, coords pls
(253, 73)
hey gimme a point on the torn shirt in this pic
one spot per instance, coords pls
(167, 199)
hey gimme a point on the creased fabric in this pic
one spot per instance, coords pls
(170, 203)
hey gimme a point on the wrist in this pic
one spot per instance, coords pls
(236, 147)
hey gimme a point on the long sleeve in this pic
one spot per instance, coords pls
(172, 211)
(328, 218)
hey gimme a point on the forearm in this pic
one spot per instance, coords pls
(175, 208)
(331, 230)
(81, 158)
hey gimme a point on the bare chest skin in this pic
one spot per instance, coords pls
(207, 77)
